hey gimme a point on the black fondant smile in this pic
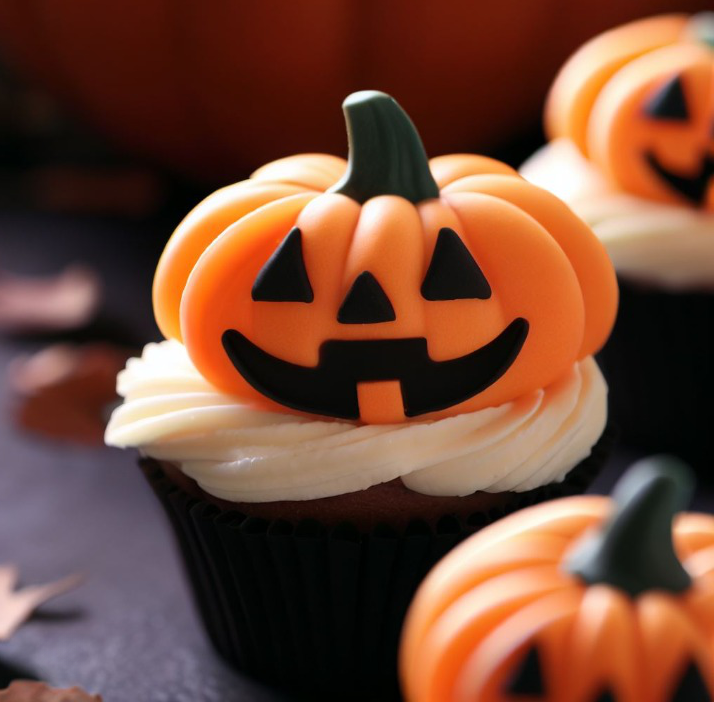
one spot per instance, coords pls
(695, 187)
(330, 388)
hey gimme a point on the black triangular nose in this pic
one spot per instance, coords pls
(669, 101)
(528, 679)
(692, 687)
(366, 303)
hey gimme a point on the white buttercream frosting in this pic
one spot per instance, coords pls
(239, 453)
(667, 245)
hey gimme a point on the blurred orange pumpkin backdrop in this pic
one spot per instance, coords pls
(207, 87)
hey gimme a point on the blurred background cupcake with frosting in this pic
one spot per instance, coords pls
(631, 122)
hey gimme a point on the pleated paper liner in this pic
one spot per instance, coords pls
(317, 610)
(659, 364)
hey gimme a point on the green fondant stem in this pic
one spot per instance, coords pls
(634, 550)
(701, 27)
(386, 155)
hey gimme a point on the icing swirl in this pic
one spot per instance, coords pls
(667, 245)
(238, 453)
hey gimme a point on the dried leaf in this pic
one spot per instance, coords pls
(65, 391)
(27, 691)
(16, 606)
(67, 300)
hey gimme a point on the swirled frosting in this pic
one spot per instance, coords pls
(238, 453)
(666, 245)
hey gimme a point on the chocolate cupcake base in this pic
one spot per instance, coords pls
(316, 607)
(659, 364)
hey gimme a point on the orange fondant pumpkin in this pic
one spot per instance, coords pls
(386, 288)
(584, 599)
(638, 101)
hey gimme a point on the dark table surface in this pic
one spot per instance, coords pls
(130, 631)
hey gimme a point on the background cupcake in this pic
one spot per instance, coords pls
(631, 116)
(585, 598)
(366, 361)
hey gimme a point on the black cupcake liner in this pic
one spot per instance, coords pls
(659, 364)
(318, 610)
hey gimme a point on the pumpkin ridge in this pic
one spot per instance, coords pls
(700, 562)
(312, 171)
(451, 168)
(454, 591)
(437, 650)
(552, 611)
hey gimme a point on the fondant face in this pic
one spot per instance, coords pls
(386, 315)
(330, 387)
(652, 130)
(669, 105)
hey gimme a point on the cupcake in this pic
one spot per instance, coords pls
(631, 117)
(585, 599)
(365, 361)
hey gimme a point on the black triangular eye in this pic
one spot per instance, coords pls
(692, 687)
(366, 303)
(606, 696)
(668, 102)
(283, 278)
(528, 677)
(453, 274)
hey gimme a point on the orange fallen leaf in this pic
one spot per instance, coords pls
(65, 391)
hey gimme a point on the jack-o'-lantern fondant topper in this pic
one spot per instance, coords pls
(583, 599)
(638, 101)
(386, 288)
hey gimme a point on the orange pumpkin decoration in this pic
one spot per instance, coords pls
(386, 288)
(638, 101)
(583, 599)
